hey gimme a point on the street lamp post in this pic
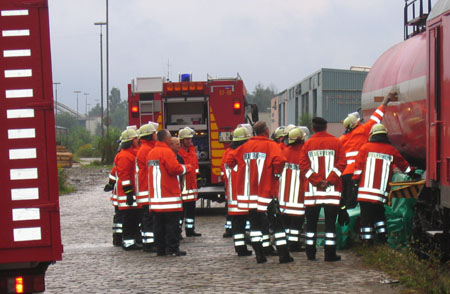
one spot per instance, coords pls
(56, 97)
(77, 92)
(86, 110)
(101, 24)
(107, 67)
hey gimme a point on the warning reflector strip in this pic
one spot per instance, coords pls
(25, 194)
(27, 234)
(409, 189)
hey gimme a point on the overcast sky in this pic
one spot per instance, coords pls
(272, 42)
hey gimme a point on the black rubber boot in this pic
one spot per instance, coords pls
(311, 252)
(330, 254)
(243, 251)
(192, 233)
(227, 234)
(117, 239)
(149, 247)
(260, 258)
(382, 238)
(284, 255)
(135, 246)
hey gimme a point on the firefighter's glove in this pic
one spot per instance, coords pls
(130, 195)
(109, 187)
(343, 218)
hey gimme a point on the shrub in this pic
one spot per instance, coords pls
(63, 186)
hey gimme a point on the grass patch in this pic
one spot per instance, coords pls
(416, 276)
(63, 186)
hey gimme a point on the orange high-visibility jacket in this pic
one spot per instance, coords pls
(291, 196)
(322, 158)
(125, 163)
(190, 189)
(141, 170)
(112, 177)
(260, 161)
(374, 166)
(354, 140)
(164, 188)
(230, 180)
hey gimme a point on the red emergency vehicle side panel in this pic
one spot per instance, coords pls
(29, 206)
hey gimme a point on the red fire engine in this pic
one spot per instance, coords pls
(29, 209)
(419, 70)
(213, 108)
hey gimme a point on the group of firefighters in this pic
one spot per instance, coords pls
(271, 185)
(154, 184)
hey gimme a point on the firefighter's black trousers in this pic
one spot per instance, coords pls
(165, 228)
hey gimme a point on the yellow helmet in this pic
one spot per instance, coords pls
(288, 128)
(279, 132)
(378, 129)
(128, 135)
(295, 134)
(351, 121)
(241, 134)
(155, 125)
(187, 132)
(248, 127)
(146, 130)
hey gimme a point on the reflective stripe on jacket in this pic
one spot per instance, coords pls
(291, 194)
(164, 188)
(359, 136)
(190, 189)
(259, 161)
(374, 169)
(125, 174)
(322, 158)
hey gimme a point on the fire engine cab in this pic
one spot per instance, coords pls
(213, 108)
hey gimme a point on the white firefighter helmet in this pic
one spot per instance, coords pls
(288, 128)
(306, 132)
(352, 120)
(294, 134)
(155, 124)
(128, 135)
(248, 127)
(185, 133)
(279, 132)
(241, 134)
(378, 129)
(146, 130)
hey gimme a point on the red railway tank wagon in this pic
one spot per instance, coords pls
(419, 70)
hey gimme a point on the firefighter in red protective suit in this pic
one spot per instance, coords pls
(238, 216)
(125, 163)
(190, 189)
(373, 172)
(323, 160)
(291, 195)
(260, 163)
(165, 194)
(278, 136)
(356, 135)
(147, 138)
(117, 218)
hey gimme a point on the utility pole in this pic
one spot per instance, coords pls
(56, 97)
(101, 24)
(77, 92)
(86, 110)
(107, 68)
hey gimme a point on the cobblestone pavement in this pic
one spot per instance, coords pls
(92, 265)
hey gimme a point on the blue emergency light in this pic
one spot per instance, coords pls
(185, 77)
